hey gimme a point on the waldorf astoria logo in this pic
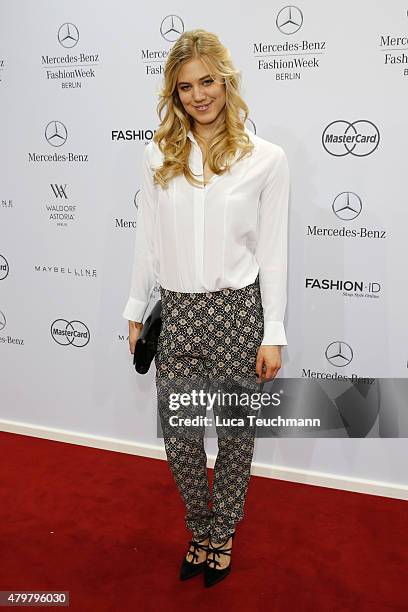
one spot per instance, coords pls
(359, 138)
(60, 210)
(70, 70)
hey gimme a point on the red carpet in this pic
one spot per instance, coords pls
(109, 528)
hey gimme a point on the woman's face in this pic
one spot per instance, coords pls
(201, 96)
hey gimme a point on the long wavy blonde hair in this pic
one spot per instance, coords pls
(171, 135)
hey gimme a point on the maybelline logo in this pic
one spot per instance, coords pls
(61, 212)
(77, 272)
(338, 354)
(394, 48)
(132, 135)
(287, 58)
(4, 267)
(70, 333)
(347, 206)
(8, 339)
(70, 69)
(359, 138)
(56, 135)
(171, 28)
(349, 288)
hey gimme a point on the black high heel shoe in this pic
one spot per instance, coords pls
(211, 574)
(189, 568)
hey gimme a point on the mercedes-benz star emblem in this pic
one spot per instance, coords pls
(136, 198)
(339, 354)
(347, 205)
(171, 27)
(68, 35)
(289, 20)
(56, 133)
(250, 125)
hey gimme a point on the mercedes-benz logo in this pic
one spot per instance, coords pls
(2, 320)
(347, 205)
(339, 354)
(250, 125)
(56, 133)
(75, 333)
(171, 27)
(136, 198)
(68, 35)
(289, 20)
(4, 267)
(359, 138)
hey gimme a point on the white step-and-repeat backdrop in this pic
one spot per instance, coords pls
(78, 88)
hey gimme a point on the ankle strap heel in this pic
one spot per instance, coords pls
(212, 575)
(190, 568)
(215, 550)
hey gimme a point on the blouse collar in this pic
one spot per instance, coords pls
(191, 135)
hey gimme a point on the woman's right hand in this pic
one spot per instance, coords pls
(134, 332)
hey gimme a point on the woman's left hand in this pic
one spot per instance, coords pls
(268, 362)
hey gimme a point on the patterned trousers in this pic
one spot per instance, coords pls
(209, 341)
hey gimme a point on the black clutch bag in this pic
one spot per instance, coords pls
(146, 344)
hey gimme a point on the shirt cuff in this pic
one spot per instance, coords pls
(134, 310)
(274, 333)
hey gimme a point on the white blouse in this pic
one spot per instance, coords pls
(199, 239)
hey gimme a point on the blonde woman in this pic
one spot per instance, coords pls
(212, 231)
